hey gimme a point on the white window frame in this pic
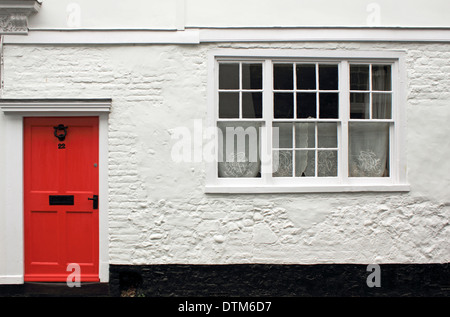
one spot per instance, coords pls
(397, 180)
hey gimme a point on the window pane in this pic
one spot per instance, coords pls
(329, 105)
(359, 77)
(328, 77)
(283, 76)
(228, 76)
(327, 135)
(305, 163)
(305, 135)
(282, 163)
(306, 76)
(251, 76)
(239, 149)
(282, 138)
(283, 105)
(228, 105)
(381, 77)
(381, 108)
(327, 163)
(306, 105)
(252, 105)
(359, 105)
(368, 149)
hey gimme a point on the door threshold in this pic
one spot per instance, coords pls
(55, 289)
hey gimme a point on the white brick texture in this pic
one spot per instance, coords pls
(158, 212)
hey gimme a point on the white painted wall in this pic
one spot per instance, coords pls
(158, 212)
(175, 14)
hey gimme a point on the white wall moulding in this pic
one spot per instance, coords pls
(314, 34)
(108, 37)
(16, 106)
(14, 15)
(304, 189)
(217, 35)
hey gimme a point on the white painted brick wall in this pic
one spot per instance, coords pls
(158, 212)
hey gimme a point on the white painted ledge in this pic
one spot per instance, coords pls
(15, 106)
(212, 189)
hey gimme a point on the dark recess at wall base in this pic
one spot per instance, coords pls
(279, 280)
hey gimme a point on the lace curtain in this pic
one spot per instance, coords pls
(368, 149)
(239, 151)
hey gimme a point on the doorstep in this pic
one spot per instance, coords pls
(38, 289)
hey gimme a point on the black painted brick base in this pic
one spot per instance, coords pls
(252, 280)
(397, 280)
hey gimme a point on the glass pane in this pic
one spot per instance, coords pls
(282, 138)
(282, 163)
(283, 104)
(305, 163)
(327, 135)
(251, 76)
(328, 77)
(305, 135)
(381, 77)
(252, 105)
(359, 77)
(327, 163)
(238, 150)
(228, 76)
(228, 105)
(306, 105)
(283, 76)
(306, 76)
(359, 105)
(368, 149)
(329, 105)
(381, 107)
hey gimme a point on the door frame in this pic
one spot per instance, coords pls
(15, 110)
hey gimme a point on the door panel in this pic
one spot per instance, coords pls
(60, 230)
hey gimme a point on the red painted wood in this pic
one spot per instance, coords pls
(58, 235)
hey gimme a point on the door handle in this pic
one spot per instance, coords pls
(94, 201)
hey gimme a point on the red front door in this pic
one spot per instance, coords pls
(60, 211)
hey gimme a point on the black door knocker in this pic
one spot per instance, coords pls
(61, 136)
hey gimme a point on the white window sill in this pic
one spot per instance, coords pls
(220, 189)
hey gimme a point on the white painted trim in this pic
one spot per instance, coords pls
(106, 37)
(299, 54)
(15, 107)
(13, 178)
(216, 35)
(11, 279)
(212, 189)
(325, 34)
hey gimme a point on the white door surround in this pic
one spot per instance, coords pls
(14, 111)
